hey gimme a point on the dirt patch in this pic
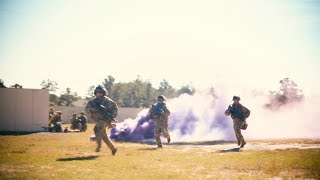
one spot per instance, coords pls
(256, 146)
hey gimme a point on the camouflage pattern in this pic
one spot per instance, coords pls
(55, 121)
(51, 113)
(245, 112)
(237, 124)
(160, 120)
(238, 120)
(83, 119)
(73, 118)
(92, 108)
(101, 123)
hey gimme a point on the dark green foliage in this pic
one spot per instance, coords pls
(166, 89)
(67, 98)
(54, 99)
(108, 83)
(133, 94)
(52, 86)
(138, 93)
(187, 89)
(18, 86)
(90, 91)
(2, 84)
(287, 93)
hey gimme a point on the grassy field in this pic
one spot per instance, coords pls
(72, 156)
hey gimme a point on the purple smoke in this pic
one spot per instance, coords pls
(193, 118)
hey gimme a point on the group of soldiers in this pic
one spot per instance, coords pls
(103, 111)
(77, 122)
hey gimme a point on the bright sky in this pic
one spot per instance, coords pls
(78, 43)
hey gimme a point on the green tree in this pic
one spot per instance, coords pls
(151, 93)
(166, 89)
(52, 86)
(67, 98)
(17, 86)
(2, 84)
(287, 93)
(186, 89)
(138, 93)
(90, 91)
(54, 99)
(108, 83)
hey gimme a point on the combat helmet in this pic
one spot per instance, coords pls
(162, 97)
(100, 88)
(235, 98)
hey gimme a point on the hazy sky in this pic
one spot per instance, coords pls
(252, 44)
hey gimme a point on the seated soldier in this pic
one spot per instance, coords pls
(74, 121)
(55, 122)
(83, 119)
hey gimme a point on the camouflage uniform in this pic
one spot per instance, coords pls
(74, 121)
(51, 113)
(238, 120)
(83, 119)
(160, 121)
(56, 120)
(101, 121)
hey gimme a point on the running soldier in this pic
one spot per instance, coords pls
(239, 114)
(103, 110)
(159, 114)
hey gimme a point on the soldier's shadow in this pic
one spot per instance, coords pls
(77, 158)
(230, 150)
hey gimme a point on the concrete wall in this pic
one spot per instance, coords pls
(23, 109)
(123, 113)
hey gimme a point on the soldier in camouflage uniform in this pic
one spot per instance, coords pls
(159, 113)
(103, 110)
(239, 114)
(51, 113)
(56, 120)
(74, 121)
(83, 119)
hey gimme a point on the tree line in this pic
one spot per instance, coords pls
(138, 93)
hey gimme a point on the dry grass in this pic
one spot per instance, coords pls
(72, 156)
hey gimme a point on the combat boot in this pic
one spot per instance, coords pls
(98, 148)
(159, 146)
(242, 144)
(239, 143)
(114, 151)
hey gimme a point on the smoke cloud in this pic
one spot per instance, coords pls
(201, 118)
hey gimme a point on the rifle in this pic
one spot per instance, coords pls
(236, 112)
(157, 111)
(106, 114)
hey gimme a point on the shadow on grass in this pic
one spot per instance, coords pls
(230, 150)
(16, 133)
(77, 158)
